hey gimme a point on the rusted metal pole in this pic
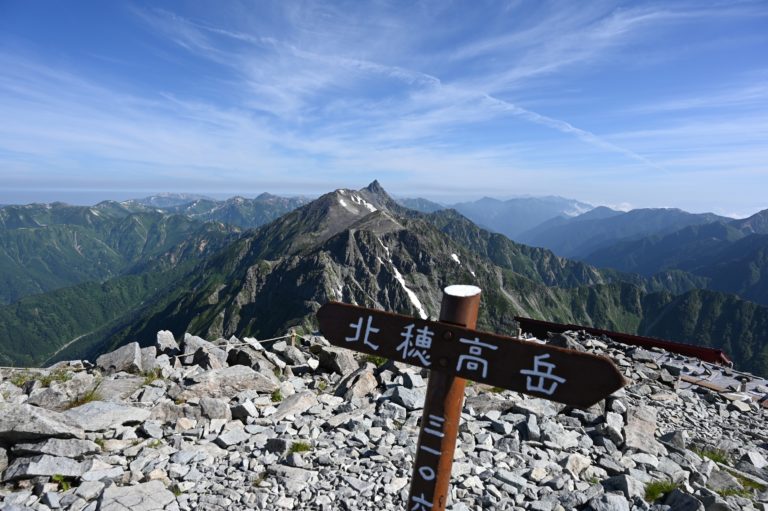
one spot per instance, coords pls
(442, 410)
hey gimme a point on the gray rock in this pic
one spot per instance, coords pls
(101, 415)
(148, 358)
(720, 480)
(207, 359)
(126, 359)
(68, 448)
(640, 430)
(565, 340)
(413, 380)
(119, 389)
(539, 407)
(149, 496)
(44, 465)
(337, 360)
(293, 356)
(3, 459)
(627, 485)
(608, 502)
(680, 501)
(576, 464)
(358, 384)
(59, 395)
(213, 408)
(89, 490)
(51, 499)
(244, 410)
(295, 404)
(678, 439)
(755, 459)
(166, 344)
(227, 382)
(20, 422)
(192, 343)
(410, 399)
(232, 437)
(739, 406)
(278, 446)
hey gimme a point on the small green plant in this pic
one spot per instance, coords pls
(277, 396)
(376, 360)
(322, 385)
(61, 481)
(21, 378)
(100, 442)
(91, 395)
(259, 479)
(498, 390)
(657, 489)
(733, 492)
(154, 444)
(716, 455)
(175, 490)
(59, 375)
(300, 447)
(150, 376)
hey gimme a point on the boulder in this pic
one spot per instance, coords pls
(680, 501)
(44, 465)
(640, 430)
(411, 399)
(166, 344)
(126, 359)
(102, 415)
(213, 408)
(192, 343)
(358, 384)
(22, 422)
(208, 359)
(59, 395)
(338, 360)
(227, 382)
(295, 404)
(149, 496)
(68, 448)
(149, 358)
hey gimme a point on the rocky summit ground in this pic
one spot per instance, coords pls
(237, 424)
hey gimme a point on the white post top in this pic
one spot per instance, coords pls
(462, 291)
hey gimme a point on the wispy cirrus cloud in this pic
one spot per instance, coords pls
(299, 90)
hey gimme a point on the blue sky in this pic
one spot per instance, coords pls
(641, 104)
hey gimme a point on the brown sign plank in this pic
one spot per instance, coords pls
(558, 374)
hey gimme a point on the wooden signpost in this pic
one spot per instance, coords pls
(455, 352)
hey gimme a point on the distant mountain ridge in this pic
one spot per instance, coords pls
(578, 237)
(46, 247)
(512, 217)
(360, 246)
(732, 256)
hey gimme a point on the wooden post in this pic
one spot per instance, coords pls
(442, 410)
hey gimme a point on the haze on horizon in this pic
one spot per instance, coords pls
(641, 104)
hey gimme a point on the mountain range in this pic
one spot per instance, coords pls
(356, 246)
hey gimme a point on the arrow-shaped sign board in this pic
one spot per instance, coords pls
(557, 374)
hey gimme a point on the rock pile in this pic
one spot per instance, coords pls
(239, 425)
